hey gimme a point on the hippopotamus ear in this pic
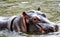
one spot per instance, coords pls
(26, 17)
(39, 9)
(24, 14)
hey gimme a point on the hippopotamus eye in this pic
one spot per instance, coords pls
(34, 19)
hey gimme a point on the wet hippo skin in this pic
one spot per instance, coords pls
(29, 21)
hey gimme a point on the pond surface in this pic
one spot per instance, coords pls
(15, 7)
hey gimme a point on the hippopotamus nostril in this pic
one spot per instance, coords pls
(53, 28)
(56, 28)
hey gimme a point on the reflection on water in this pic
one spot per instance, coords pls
(13, 7)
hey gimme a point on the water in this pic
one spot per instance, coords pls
(15, 7)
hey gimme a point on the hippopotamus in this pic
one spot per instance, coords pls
(27, 22)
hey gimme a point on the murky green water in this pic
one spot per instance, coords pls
(15, 7)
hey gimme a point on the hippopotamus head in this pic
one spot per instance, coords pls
(37, 21)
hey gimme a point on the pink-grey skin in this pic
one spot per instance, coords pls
(27, 22)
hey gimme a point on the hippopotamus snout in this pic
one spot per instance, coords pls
(51, 27)
(54, 28)
(47, 25)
